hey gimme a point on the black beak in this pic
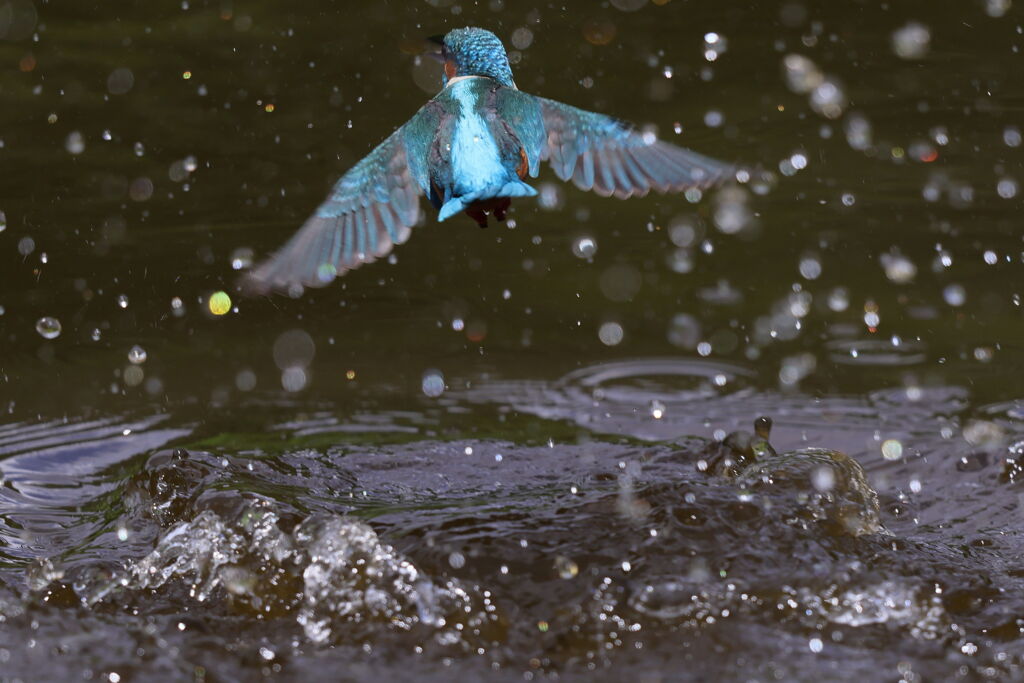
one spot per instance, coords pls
(434, 47)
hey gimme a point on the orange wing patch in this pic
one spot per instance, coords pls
(524, 165)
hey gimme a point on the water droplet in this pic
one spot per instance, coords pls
(522, 38)
(219, 303)
(241, 258)
(433, 383)
(799, 303)
(294, 349)
(48, 327)
(801, 74)
(139, 149)
(685, 231)
(892, 449)
(457, 560)
(680, 261)
(566, 568)
(858, 131)
(245, 380)
(714, 118)
(983, 433)
(122, 301)
(810, 267)
(715, 46)
(1011, 136)
(796, 368)
(120, 80)
(177, 172)
(911, 41)
(657, 409)
(293, 379)
(898, 268)
(823, 479)
(140, 189)
(600, 31)
(1007, 188)
(922, 151)
(871, 317)
(954, 295)
(74, 143)
(133, 376)
(828, 99)
(584, 247)
(684, 331)
(610, 333)
(997, 8)
(732, 214)
(550, 196)
(137, 355)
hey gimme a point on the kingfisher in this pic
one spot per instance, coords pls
(470, 150)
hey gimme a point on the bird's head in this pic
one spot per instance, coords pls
(475, 52)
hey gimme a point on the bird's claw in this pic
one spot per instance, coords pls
(478, 215)
(497, 207)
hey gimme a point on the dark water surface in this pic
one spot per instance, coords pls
(505, 455)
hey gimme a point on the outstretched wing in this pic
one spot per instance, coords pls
(370, 210)
(608, 156)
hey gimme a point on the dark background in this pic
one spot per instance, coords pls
(339, 82)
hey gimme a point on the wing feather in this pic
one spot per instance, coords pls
(603, 154)
(370, 209)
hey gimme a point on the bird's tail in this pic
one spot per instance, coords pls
(513, 188)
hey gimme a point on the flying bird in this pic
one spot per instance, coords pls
(470, 150)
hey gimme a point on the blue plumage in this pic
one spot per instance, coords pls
(469, 149)
(476, 52)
